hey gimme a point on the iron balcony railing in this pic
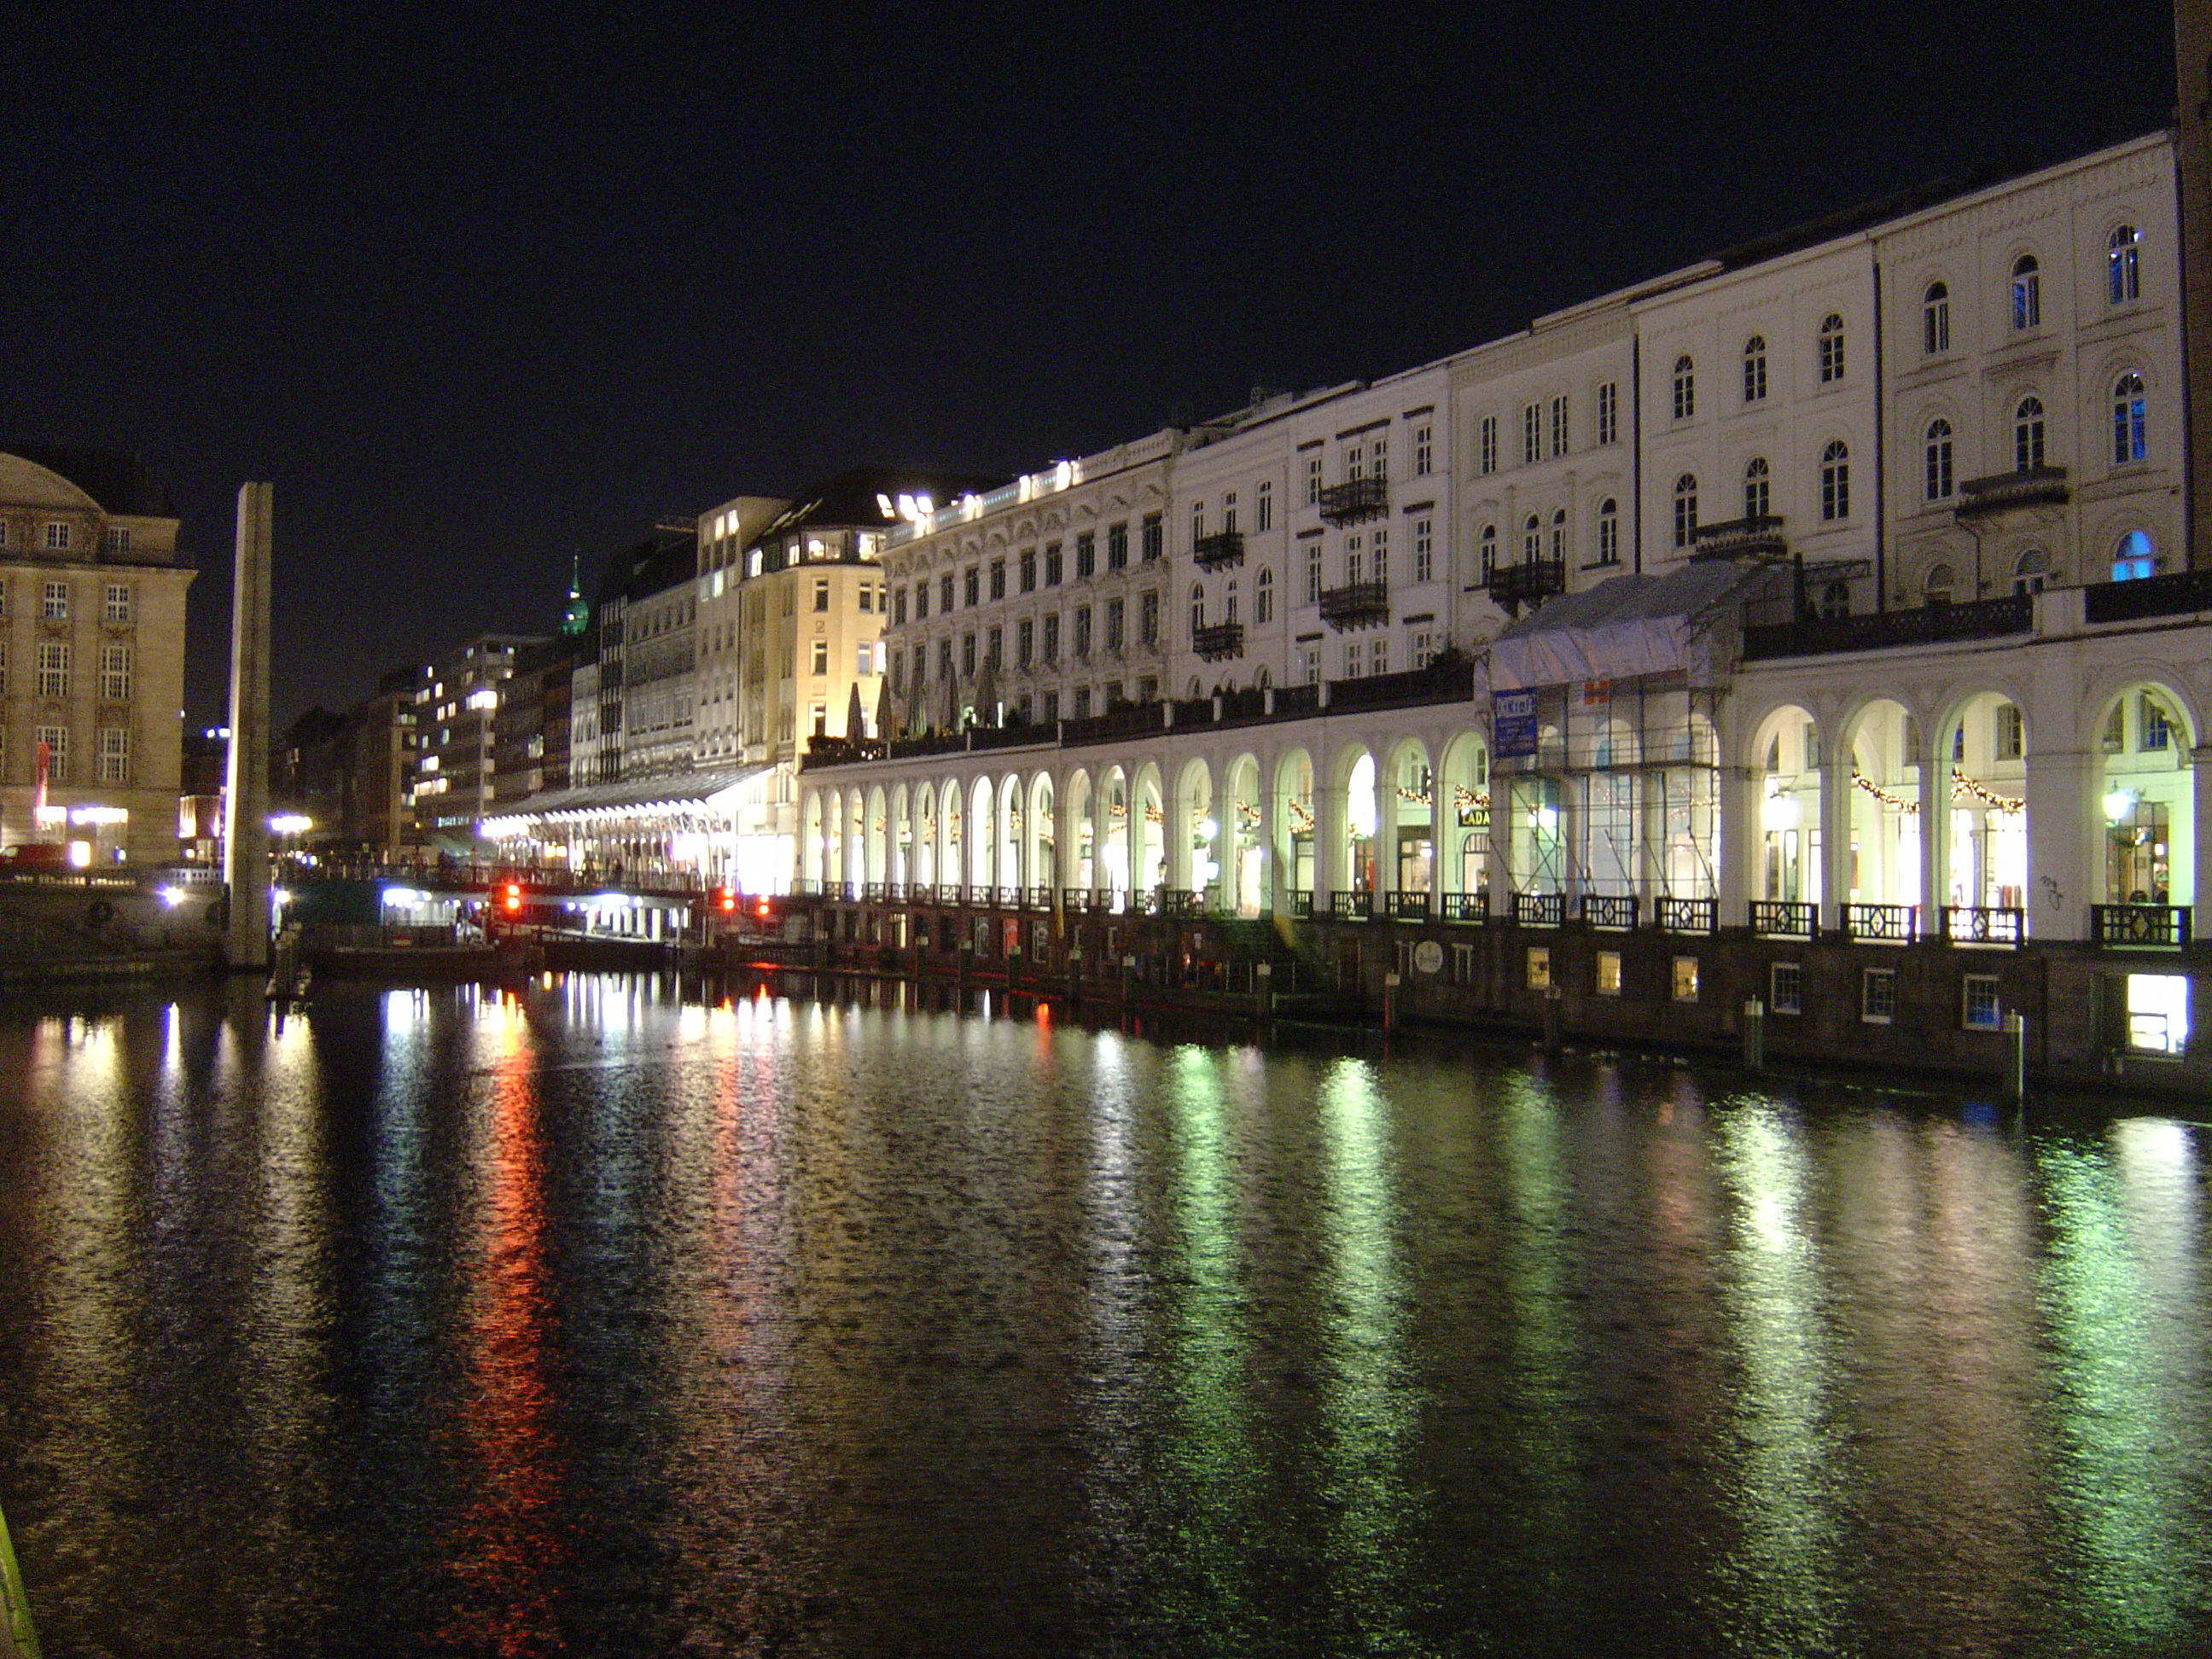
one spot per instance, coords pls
(1409, 907)
(1689, 916)
(2152, 925)
(1513, 586)
(2176, 594)
(1216, 642)
(1784, 919)
(1466, 907)
(1616, 911)
(1967, 924)
(1540, 909)
(1886, 924)
(1929, 624)
(1221, 548)
(1355, 604)
(1353, 500)
(1351, 906)
(2034, 486)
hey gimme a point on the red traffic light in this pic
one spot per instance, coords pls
(511, 898)
(763, 911)
(724, 899)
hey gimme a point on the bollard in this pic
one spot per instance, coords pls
(1263, 988)
(1075, 974)
(1754, 1035)
(1551, 1014)
(1391, 984)
(2015, 1057)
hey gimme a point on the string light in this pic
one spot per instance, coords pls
(1302, 819)
(1860, 781)
(1963, 785)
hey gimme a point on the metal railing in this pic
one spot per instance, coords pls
(1610, 910)
(2149, 926)
(1466, 907)
(1690, 916)
(1301, 902)
(1353, 500)
(1409, 907)
(1968, 924)
(1351, 906)
(1540, 909)
(1886, 924)
(1784, 918)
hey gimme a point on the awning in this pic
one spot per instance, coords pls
(1687, 622)
(675, 794)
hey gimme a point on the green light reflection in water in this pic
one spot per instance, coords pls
(1782, 1577)
(1535, 1276)
(1369, 1420)
(2121, 1305)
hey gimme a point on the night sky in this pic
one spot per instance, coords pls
(485, 289)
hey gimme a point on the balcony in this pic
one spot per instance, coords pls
(2003, 492)
(1356, 605)
(1217, 641)
(1355, 499)
(1689, 916)
(1736, 538)
(1614, 912)
(1984, 619)
(1784, 919)
(2141, 925)
(2177, 594)
(1219, 550)
(1512, 586)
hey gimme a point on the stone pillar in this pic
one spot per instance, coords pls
(1934, 798)
(2065, 842)
(1740, 841)
(1838, 801)
(2199, 890)
(1332, 842)
(246, 826)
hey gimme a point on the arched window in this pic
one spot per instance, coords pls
(2133, 558)
(1485, 552)
(1831, 348)
(1939, 459)
(1532, 540)
(1608, 532)
(1263, 596)
(2027, 435)
(2029, 571)
(1686, 508)
(1559, 534)
(1197, 608)
(1685, 388)
(1754, 368)
(2123, 264)
(1935, 319)
(1936, 589)
(1835, 480)
(2127, 443)
(1264, 679)
(2027, 293)
(1757, 494)
(1836, 600)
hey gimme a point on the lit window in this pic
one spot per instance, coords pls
(2027, 435)
(821, 656)
(2123, 266)
(2008, 739)
(2027, 293)
(1685, 388)
(55, 604)
(114, 755)
(1609, 974)
(1684, 979)
(821, 592)
(1757, 494)
(1686, 508)
(2157, 731)
(1938, 457)
(115, 672)
(1755, 369)
(1538, 962)
(2133, 558)
(1832, 348)
(53, 741)
(2127, 443)
(1835, 480)
(1935, 319)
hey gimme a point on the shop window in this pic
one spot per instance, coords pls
(2157, 1013)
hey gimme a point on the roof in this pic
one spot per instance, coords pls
(121, 482)
(849, 499)
(675, 790)
(1633, 625)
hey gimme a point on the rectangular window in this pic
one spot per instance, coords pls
(1028, 570)
(971, 586)
(968, 655)
(944, 658)
(119, 602)
(821, 656)
(1309, 664)
(1148, 619)
(1424, 450)
(1086, 555)
(58, 539)
(1382, 551)
(1313, 571)
(1785, 987)
(1355, 462)
(995, 646)
(114, 755)
(1378, 656)
(867, 598)
(1609, 974)
(2157, 1013)
(1264, 514)
(998, 579)
(921, 601)
(1355, 559)
(1115, 610)
(1422, 647)
(115, 673)
(1381, 455)
(1025, 643)
(1313, 478)
(1532, 432)
(1979, 1007)
(1052, 564)
(1608, 419)
(1229, 513)
(944, 592)
(53, 669)
(1425, 549)
(2011, 735)
(1489, 446)
(864, 659)
(821, 592)
(54, 739)
(1351, 661)
(1154, 543)
(1117, 546)
(1558, 426)
(2157, 733)
(55, 607)
(817, 720)
(1539, 967)
(1083, 703)
(1051, 637)
(898, 602)
(1685, 979)
(1082, 640)
(1051, 706)
(1878, 995)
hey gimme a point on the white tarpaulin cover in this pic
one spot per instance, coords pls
(1688, 621)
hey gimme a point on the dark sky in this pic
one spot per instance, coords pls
(486, 287)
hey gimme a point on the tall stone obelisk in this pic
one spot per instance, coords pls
(245, 809)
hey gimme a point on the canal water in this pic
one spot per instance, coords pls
(603, 1318)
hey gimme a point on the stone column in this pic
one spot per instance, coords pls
(2199, 891)
(1740, 841)
(1935, 834)
(1838, 801)
(1332, 842)
(2065, 842)
(246, 827)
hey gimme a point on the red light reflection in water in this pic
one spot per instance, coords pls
(508, 1552)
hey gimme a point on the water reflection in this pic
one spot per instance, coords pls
(594, 1316)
